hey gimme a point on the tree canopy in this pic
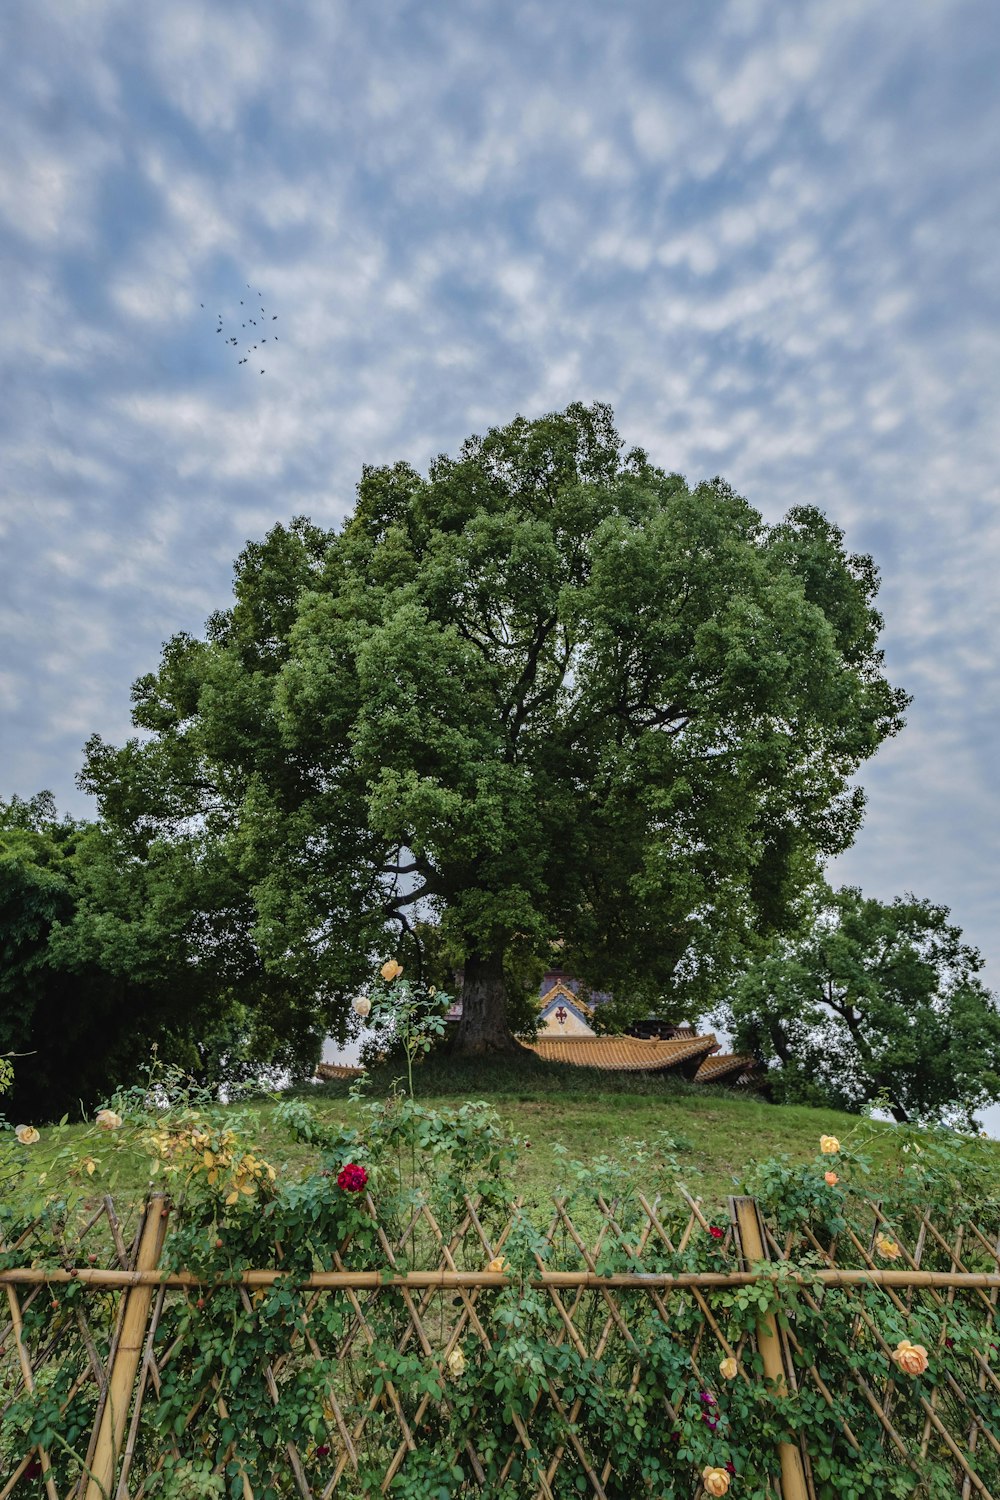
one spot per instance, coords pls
(103, 956)
(875, 1002)
(545, 694)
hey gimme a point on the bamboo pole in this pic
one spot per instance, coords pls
(125, 1366)
(331, 1281)
(744, 1214)
(27, 1376)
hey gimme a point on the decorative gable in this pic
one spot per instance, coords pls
(563, 1014)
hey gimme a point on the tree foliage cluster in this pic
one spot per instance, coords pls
(873, 1003)
(105, 958)
(545, 698)
(546, 693)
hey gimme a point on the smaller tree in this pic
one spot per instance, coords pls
(875, 1002)
(103, 955)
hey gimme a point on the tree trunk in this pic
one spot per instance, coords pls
(853, 1023)
(483, 1028)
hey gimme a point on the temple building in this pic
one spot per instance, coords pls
(565, 1035)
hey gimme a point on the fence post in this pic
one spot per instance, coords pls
(745, 1215)
(127, 1354)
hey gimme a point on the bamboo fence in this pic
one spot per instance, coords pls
(108, 1346)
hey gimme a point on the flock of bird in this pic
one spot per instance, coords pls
(261, 337)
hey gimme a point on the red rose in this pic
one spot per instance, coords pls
(717, 1233)
(352, 1178)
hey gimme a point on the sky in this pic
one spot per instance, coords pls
(767, 233)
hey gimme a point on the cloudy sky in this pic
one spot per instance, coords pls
(768, 233)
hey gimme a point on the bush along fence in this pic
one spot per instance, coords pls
(396, 1322)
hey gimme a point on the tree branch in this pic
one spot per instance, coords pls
(528, 674)
(409, 898)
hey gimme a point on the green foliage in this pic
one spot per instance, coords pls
(643, 1392)
(875, 1004)
(403, 1016)
(545, 692)
(104, 956)
(65, 1016)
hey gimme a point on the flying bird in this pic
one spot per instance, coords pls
(232, 341)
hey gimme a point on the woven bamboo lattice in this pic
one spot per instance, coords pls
(609, 1295)
(60, 1339)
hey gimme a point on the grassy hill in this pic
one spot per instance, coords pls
(716, 1132)
(560, 1114)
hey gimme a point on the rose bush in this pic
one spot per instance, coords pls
(468, 1370)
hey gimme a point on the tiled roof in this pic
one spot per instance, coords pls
(724, 1067)
(659, 1030)
(337, 1070)
(624, 1054)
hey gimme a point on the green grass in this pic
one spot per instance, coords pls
(718, 1132)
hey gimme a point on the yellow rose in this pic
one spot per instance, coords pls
(911, 1358)
(456, 1363)
(728, 1368)
(829, 1145)
(108, 1120)
(716, 1481)
(391, 970)
(27, 1135)
(362, 1005)
(498, 1265)
(887, 1248)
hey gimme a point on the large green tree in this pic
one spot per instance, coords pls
(545, 693)
(874, 1002)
